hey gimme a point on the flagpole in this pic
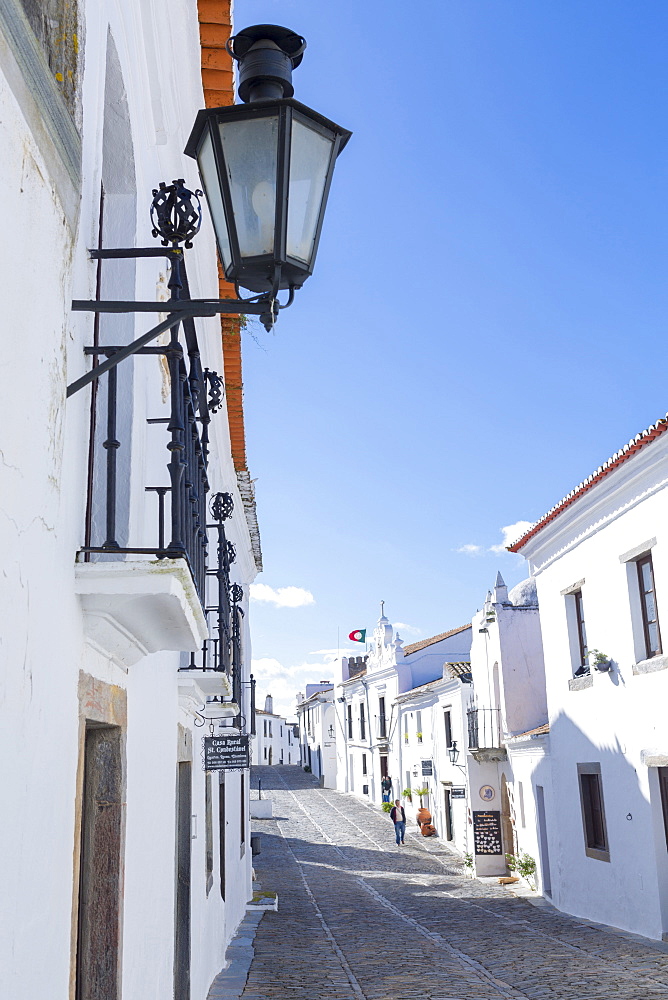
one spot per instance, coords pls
(338, 642)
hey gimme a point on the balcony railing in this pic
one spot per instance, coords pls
(222, 651)
(179, 519)
(484, 728)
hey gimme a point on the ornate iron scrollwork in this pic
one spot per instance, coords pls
(221, 506)
(176, 213)
(216, 390)
(236, 593)
(231, 553)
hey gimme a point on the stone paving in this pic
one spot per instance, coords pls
(362, 919)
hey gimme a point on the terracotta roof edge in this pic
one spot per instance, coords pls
(642, 439)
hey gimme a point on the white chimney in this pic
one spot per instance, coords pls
(269, 704)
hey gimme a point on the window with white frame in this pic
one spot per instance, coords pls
(447, 723)
(577, 630)
(648, 609)
(593, 812)
(418, 726)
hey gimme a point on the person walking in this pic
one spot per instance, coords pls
(398, 817)
(386, 785)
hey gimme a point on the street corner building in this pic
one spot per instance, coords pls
(599, 559)
(128, 526)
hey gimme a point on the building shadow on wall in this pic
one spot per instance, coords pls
(602, 840)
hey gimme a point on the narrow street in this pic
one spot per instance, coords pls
(362, 919)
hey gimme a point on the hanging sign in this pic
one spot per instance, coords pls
(487, 832)
(226, 753)
(458, 792)
(427, 767)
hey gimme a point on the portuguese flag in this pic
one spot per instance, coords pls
(359, 635)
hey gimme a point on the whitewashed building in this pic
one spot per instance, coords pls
(507, 732)
(369, 742)
(125, 864)
(600, 560)
(431, 726)
(274, 741)
(316, 718)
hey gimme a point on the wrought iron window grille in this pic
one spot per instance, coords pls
(484, 728)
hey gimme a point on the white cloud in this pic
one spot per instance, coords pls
(283, 682)
(470, 550)
(329, 655)
(281, 597)
(511, 532)
(407, 629)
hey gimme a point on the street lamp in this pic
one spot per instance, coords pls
(453, 752)
(266, 166)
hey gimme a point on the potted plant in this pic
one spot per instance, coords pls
(598, 660)
(407, 794)
(422, 815)
(419, 737)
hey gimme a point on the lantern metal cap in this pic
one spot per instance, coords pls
(267, 55)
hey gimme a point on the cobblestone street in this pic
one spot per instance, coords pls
(362, 919)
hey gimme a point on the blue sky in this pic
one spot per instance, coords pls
(486, 323)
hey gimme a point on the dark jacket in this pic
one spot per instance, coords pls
(398, 815)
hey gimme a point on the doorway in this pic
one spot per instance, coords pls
(542, 838)
(383, 765)
(183, 862)
(99, 914)
(448, 814)
(221, 830)
(507, 825)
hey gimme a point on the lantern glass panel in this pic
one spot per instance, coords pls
(250, 150)
(310, 154)
(209, 175)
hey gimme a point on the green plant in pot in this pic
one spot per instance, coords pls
(421, 791)
(598, 660)
(407, 794)
(422, 815)
(386, 807)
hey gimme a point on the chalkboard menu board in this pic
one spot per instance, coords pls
(487, 832)
(427, 767)
(226, 753)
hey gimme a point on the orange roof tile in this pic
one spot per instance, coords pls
(215, 28)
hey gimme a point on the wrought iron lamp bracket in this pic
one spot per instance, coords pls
(178, 309)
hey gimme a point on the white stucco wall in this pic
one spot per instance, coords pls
(43, 456)
(618, 720)
(281, 742)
